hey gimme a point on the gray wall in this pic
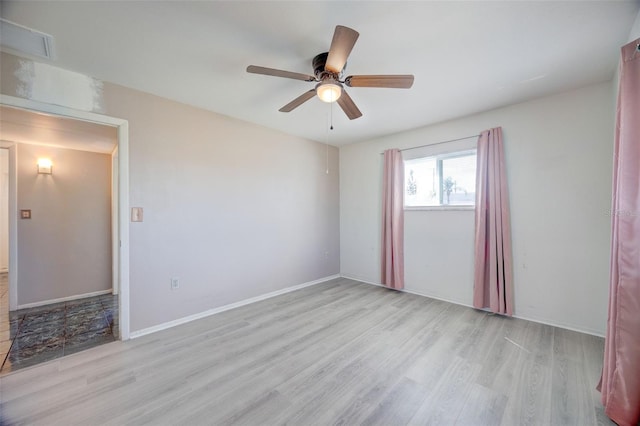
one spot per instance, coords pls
(233, 209)
(65, 248)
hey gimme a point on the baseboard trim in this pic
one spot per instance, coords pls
(63, 299)
(536, 320)
(560, 325)
(404, 290)
(184, 320)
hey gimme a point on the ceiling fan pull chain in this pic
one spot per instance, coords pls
(331, 114)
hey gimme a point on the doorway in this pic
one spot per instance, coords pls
(65, 301)
(120, 247)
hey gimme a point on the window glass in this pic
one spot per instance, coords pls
(422, 186)
(459, 180)
(443, 180)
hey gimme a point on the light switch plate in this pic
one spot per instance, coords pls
(136, 214)
(175, 283)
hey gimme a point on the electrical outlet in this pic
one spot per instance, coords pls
(175, 283)
(326, 255)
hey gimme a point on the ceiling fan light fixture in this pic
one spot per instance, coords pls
(329, 91)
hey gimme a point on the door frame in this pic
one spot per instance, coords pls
(119, 221)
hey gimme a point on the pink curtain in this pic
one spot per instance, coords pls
(493, 274)
(393, 220)
(620, 382)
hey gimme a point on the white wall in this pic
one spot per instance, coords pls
(64, 250)
(559, 162)
(635, 29)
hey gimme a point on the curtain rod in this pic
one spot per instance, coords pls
(437, 143)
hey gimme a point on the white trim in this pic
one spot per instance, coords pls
(536, 320)
(115, 241)
(179, 321)
(4, 203)
(442, 148)
(560, 325)
(350, 277)
(13, 224)
(92, 117)
(123, 222)
(123, 186)
(64, 299)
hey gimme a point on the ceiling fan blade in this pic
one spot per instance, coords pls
(344, 39)
(348, 106)
(392, 81)
(298, 101)
(254, 69)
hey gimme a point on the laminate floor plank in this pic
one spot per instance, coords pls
(539, 339)
(448, 397)
(399, 405)
(500, 361)
(483, 406)
(569, 390)
(529, 400)
(336, 353)
(594, 354)
(570, 382)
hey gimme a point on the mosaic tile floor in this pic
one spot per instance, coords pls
(34, 335)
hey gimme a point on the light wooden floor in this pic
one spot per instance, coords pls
(336, 353)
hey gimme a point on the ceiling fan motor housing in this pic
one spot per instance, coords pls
(319, 62)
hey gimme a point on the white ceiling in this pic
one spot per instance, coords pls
(467, 56)
(18, 125)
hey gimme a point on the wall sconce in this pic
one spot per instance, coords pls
(44, 166)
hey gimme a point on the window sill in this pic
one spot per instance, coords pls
(440, 208)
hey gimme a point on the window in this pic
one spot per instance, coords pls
(442, 180)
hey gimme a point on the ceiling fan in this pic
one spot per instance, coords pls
(328, 68)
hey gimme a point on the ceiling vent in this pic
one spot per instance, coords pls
(22, 40)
